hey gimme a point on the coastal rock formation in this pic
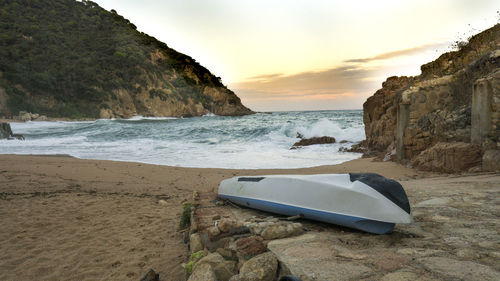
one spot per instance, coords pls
(379, 113)
(449, 157)
(432, 118)
(73, 59)
(312, 141)
(6, 132)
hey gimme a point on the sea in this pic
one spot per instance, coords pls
(258, 141)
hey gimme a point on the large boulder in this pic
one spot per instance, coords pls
(314, 257)
(5, 131)
(313, 140)
(250, 246)
(222, 268)
(491, 160)
(260, 268)
(448, 157)
(203, 272)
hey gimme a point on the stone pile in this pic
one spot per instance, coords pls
(236, 250)
(28, 116)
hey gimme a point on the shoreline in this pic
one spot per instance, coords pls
(70, 218)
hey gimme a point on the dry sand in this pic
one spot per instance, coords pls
(71, 219)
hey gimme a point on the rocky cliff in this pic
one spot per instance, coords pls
(448, 118)
(67, 58)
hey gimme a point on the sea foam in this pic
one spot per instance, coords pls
(247, 142)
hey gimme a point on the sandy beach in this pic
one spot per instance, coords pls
(72, 219)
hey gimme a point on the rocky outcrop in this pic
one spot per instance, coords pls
(379, 113)
(6, 132)
(111, 70)
(455, 100)
(447, 157)
(164, 102)
(312, 141)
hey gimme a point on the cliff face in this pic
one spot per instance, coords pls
(446, 119)
(65, 58)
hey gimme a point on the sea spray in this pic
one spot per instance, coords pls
(247, 142)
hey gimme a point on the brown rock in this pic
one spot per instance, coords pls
(314, 140)
(222, 268)
(448, 157)
(282, 230)
(195, 243)
(203, 272)
(213, 232)
(5, 131)
(225, 225)
(379, 113)
(151, 276)
(262, 267)
(250, 246)
(491, 160)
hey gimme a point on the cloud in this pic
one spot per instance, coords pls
(334, 88)
(344, 86)
(266, 76)
(399, 53)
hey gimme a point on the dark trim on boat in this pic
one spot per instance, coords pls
(391, 189)
(251, 179)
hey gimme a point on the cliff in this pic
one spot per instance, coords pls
(448, 118)
(65, 58)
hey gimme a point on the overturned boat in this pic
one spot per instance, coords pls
(364, 201)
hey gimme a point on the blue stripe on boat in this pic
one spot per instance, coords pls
(372, 226)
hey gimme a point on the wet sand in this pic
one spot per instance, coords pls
(71, 219)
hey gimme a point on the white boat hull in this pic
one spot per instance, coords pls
(367, 202)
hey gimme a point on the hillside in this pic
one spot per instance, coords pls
(448, 118)
(65, 58)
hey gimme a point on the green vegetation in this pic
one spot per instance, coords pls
(186, 215)
(63, 58)
(193, 259)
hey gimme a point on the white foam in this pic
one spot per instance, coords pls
(257, 141)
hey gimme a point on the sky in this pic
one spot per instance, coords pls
(279, 55)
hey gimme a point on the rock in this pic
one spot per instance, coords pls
(222, 268)
(250, 246)
(151, 276)
(419, 252)
(213, 232)
(203, 272)
(42, 118)
(462, 270)
(226, 253)
(5, 131)
(195, 243)
(313, 257)
(225, 225)
(262, 267)
(314, 140)
(282, 230)
(258, 227)
(401, 276)
(491, 160)
(448, 157)
(455, 99)
(379, 113)
(162, 202)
